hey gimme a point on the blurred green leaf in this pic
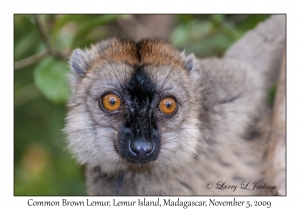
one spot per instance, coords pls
(25, 94)
(62, 20)
(230, 32)
(250, 21)
(86, 28)
(203, 38)
(217, 19)
(185, 18)
(195, 31)
(27, 45)
(22, 25)
(50, 78)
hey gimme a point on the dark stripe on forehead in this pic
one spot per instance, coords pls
(140, 87)
(140, 99)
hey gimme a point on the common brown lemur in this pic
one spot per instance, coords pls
(147, 119)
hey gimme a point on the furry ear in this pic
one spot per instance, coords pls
(189, 61)
(79, 62)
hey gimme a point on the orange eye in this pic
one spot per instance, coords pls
(111, 102)
(168, 106)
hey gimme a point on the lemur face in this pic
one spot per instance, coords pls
(132, 106)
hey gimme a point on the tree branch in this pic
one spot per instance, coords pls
(35, 58)
(42, 32)
(30, 60)
(276, 157)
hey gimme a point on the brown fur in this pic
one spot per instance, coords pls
(155, 52)
(218, 134)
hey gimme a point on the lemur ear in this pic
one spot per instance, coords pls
(79, 62)
(189, 61)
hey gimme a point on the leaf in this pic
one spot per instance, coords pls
(217, 19)
(62, 20)
(50, 78)
(26, 37)
(251, 21)
(194, 31)
(85, 29)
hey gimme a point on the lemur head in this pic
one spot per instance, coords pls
(132, 106)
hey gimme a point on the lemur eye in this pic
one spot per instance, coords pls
(111, 102)
(168, 106)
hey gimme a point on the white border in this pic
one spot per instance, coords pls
(8, 8)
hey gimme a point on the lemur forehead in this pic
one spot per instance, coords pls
(146, 52)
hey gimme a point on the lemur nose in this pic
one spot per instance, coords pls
(141, 150)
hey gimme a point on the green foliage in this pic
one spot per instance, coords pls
(50, 78)
(211, 35)
(42, 166)
(26, 37)
(87, 28)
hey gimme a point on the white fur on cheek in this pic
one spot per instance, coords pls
(90, 143)
(179, 148)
